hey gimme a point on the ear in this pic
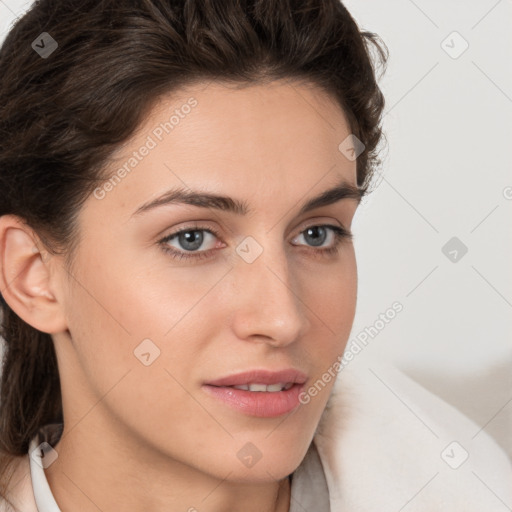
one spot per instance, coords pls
(26, 278)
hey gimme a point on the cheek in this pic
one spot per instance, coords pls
(332, 298)
(125, 318)
(145, 295)
(330, 291)
(132, 315)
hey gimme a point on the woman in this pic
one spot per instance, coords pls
(179, 282)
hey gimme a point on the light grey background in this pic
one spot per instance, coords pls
(447, 166)
(449, 128)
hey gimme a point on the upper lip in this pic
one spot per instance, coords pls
(261, 377)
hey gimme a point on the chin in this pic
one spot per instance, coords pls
(264, 461)
(263, 473)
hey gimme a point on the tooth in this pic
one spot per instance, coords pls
(245, 387)
(257, 387)
(275, 387)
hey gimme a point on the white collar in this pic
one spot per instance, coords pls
(41, 447)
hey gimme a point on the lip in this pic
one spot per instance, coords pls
(261, 377)
(263, 404)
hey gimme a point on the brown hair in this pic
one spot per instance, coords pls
(63, 115)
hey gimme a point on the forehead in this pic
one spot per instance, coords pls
(266, 141)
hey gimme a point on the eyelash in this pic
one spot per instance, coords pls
(340, 234)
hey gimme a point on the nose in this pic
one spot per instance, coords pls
(267, 306)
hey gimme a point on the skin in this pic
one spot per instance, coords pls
(142, 437)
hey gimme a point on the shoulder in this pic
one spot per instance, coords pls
(386, 440)
(19, 493)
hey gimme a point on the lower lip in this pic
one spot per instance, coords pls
(265, 404)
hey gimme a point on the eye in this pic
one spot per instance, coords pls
(189, 240)
(317, 235)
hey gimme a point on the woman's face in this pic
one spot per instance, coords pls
(153, 317)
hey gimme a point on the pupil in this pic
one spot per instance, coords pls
(315, 230)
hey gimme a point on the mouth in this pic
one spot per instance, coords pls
(268, 388)
(254, 380)
(259, 393)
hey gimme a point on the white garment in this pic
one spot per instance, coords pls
(385, 443)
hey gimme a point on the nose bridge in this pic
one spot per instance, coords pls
(267, 302)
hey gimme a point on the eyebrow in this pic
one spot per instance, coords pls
(341, 191)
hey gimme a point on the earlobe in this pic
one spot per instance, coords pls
(26, 277)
